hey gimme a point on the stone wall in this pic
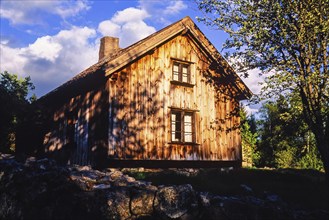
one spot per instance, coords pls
(40, 189)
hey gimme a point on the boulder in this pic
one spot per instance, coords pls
(175, 201)
(142, 200)
(118, 202)
(42, 189)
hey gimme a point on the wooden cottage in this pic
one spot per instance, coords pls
(168, 100)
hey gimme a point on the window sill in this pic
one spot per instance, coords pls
(183, 143)
(182, 83)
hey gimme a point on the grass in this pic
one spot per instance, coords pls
(305, 189)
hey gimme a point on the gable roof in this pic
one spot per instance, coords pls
(110, 64)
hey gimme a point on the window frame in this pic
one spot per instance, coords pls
(178, 75)
(182, 124)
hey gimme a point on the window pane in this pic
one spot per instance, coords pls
(173, 117)
(188, 127)
(178, 136)
(176, 131)
(188, 137)
(173, 137)
(175, 77)
(184, 79)
(176, 68)
(173, 127)
(181, 72)
(176, 72)
(185, 73)
(187, 118)
(182, 126)
(184, 69)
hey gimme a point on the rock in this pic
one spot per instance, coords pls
(102, 186)
(250, 207)
(124, 180)
(187, 172)
(175, 201)
(246, 189)
(129, 179)
(226, 169)
(204, 199)
(41, 189)
(82, 168)
(234, 207)
(273, 198)
(118, 202)
(114, 175)
(141, 202)
(82, 184)
(104, 180)
(33, 192)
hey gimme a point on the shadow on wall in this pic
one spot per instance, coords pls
(69, 129)
(136, 118)
(129, 122)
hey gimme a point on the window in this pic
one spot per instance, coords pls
(182, 126)
(181, 72)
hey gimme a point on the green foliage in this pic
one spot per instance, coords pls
(14, 105)
(248, 139)
(309, 155)
(15, 87)
(285, 140)
(288, 41)
(285, 158)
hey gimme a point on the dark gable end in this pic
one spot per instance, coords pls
(108, 65)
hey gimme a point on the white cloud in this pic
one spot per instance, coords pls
(253, 81)
(130, 15)
(174, 7)
(11, 59)
(109, 28)
(44, 48)
(163, 11)
(52, 60)
(128, 25)
(251, 109)
(70, 8)
(31, 12)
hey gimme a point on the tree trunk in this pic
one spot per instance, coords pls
(323, 146)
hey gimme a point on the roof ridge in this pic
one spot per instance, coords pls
(114, 62)
(106, 59)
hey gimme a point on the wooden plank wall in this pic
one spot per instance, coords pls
(129, 116)
(140, 97)
(78, 134)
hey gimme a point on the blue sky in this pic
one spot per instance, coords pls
(52, 41)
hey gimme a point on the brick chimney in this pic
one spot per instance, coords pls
(109, 45)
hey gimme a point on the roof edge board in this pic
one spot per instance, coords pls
(211, 51)
(185, 26)
(147, 46)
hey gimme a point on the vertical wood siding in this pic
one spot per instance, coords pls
(128, 116)
(140, 98)
(78, 134)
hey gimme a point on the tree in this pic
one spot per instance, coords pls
(248, 139)
(287, 40)
(13, 108)
(284, 138)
